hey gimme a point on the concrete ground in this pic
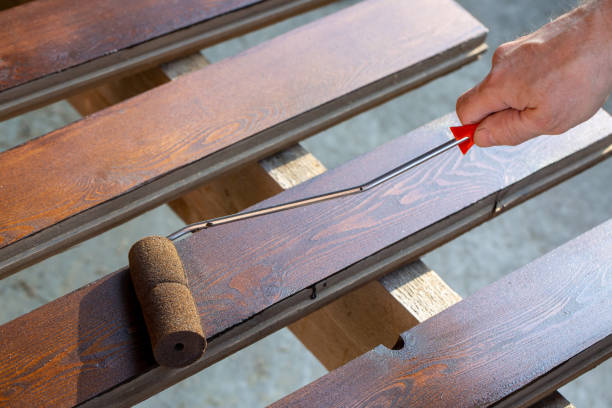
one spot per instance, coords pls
(279, 364)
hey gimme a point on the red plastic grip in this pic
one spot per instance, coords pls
(462, 131)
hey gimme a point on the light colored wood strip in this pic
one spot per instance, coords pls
(117, 90)
(114, 91)
(185, 65)
(292, 167)
(353, 325)
(420, 291)
(376, 313)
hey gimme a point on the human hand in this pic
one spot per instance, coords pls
(546, 82)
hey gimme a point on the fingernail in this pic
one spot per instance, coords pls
(482, 137)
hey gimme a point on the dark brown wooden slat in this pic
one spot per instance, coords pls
(6, 4)
(54, 47)
(510, 344)
(79, 180)
(251, 278)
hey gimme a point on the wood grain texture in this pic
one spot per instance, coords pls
(228, 193)
(537, 324)
(81, 179)
(54, 47)
(251, 278)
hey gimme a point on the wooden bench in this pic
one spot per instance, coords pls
(95, 349)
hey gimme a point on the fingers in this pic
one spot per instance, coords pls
(507, 127)
(479, 102)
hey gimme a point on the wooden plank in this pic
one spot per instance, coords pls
(254, 277)
(84, 178)
(510, 344)
(228, 193)
(54, 47)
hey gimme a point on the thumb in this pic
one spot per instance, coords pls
(507, 127)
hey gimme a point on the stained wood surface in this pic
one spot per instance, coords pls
(253, 277)
(81, 179)
(53, 47)
(510, 343)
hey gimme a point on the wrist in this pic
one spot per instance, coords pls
(598, 16)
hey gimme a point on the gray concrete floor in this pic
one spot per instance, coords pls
(279, 364)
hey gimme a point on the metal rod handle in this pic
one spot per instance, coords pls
(322, 197)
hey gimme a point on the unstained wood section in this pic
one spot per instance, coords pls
(494, 343)
(134, 155)
(250, 278)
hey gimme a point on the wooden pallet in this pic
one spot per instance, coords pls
(95, 348)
